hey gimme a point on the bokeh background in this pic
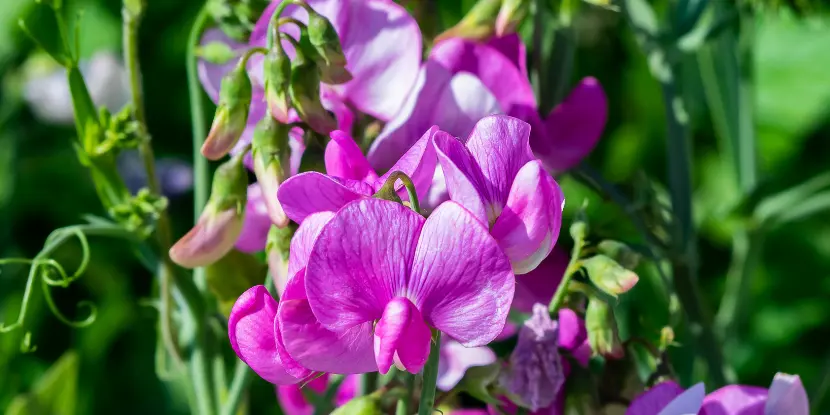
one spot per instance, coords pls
(43, 187)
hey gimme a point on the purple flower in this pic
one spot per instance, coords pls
(495, 176)
(256, 223)
(351, 177)
(412, 274)
(293, 402)
(455, 359)
(535, 374)
(785, 396)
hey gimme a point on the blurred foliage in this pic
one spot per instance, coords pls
(42, 187)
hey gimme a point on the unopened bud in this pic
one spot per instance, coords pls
(479, 23)
(326, 42)
(231, 114)
(620, 252)
(277, 68)
(305, 96)
(270, 154)
(220, 223)
(236, 18)
(511, 14)
(277, 248)
(602, 330)
(608, 275)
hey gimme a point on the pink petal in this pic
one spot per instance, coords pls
(465, 183)
(382, 45)
(251, 332)
(512, 47)
(465, 296)
(498, 72)
(303, 240)
(500, 146)
(539, 285)
(456, 359)
(687, 403)
(317, 348)
(655, 399)
(787, 396)
(401, 336)
(418, 163)
(345, 160)
(528, 227)
(574, 127)
(313, 192)
(572, 331)
(361, 261)
(464, 101)
(256, 223)
(735, 400)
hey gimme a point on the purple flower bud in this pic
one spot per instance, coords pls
(231, 116)
(535, 374)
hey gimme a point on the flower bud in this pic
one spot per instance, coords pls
(602, 330)
(277, 69)
(270, 154)
(535, 375)
(326, 42)
(608, 275)
(219, 226)
(305, 96)
(511, 14)
(620, 252)
(236, 18)
(478, 24)
(277, 248)
(231, 115)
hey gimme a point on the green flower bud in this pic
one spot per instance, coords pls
(218, 228)
(511, 14)
(271, 162)
(277, 248)
(231, 115)
(608, 275)
(329, 57)
(236, 18)
(602, 330)
(620, 252)
(478, 24)
(277, 67)
(305, 96)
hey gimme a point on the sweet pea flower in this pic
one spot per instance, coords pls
(412, 275)
(455, 359)
(495, 176)
(350, 177)
(293, 401)
(785, 396)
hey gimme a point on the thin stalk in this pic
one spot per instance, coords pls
(132, 19)
(746, 255)
(570, 271)
(430, 376)
(241, 378)
(410, 188)
(404, 406)
(368, 383)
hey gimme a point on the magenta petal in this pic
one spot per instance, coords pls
(313, 192)
(574, 127)
(465, 183)
(256, 223)
(418, 163)
(787, 396)
(539, 285)
(512, 47)
(500, 146)
(382, 45)
(465, 101)
(655, 399)
(572, 331)
(345, 160)
(303, 240)
(317, 348)
(528, 227)
(402, 337)
(497, 72)
(465, 296)
(251, 332)
(735, 400)
(360, 261)
(456, 359)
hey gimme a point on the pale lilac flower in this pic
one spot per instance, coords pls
(412, 274)
(455, 359)
(495, 176)
(293, 401)
(535, 374)
(175, 176)
(350, 177)
(785, 396)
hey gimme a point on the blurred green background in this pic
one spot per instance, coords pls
(43, 187)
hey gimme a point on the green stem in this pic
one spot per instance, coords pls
(242, 376)
(368, 383)
(570, 271)
(430, 376)
(410, 188)
(406, 407)
(746, 255)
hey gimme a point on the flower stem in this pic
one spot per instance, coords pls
(404, 406)
(573, 266)
(368, 383)
(410, 188)
(430, 376)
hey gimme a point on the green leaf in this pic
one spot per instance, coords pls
(366, 405)
(795, 202)
(478, 379)
(54, 393)
(84, 108)
(642, 16)
(50, 39)
(229, 277)
(688, 13)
